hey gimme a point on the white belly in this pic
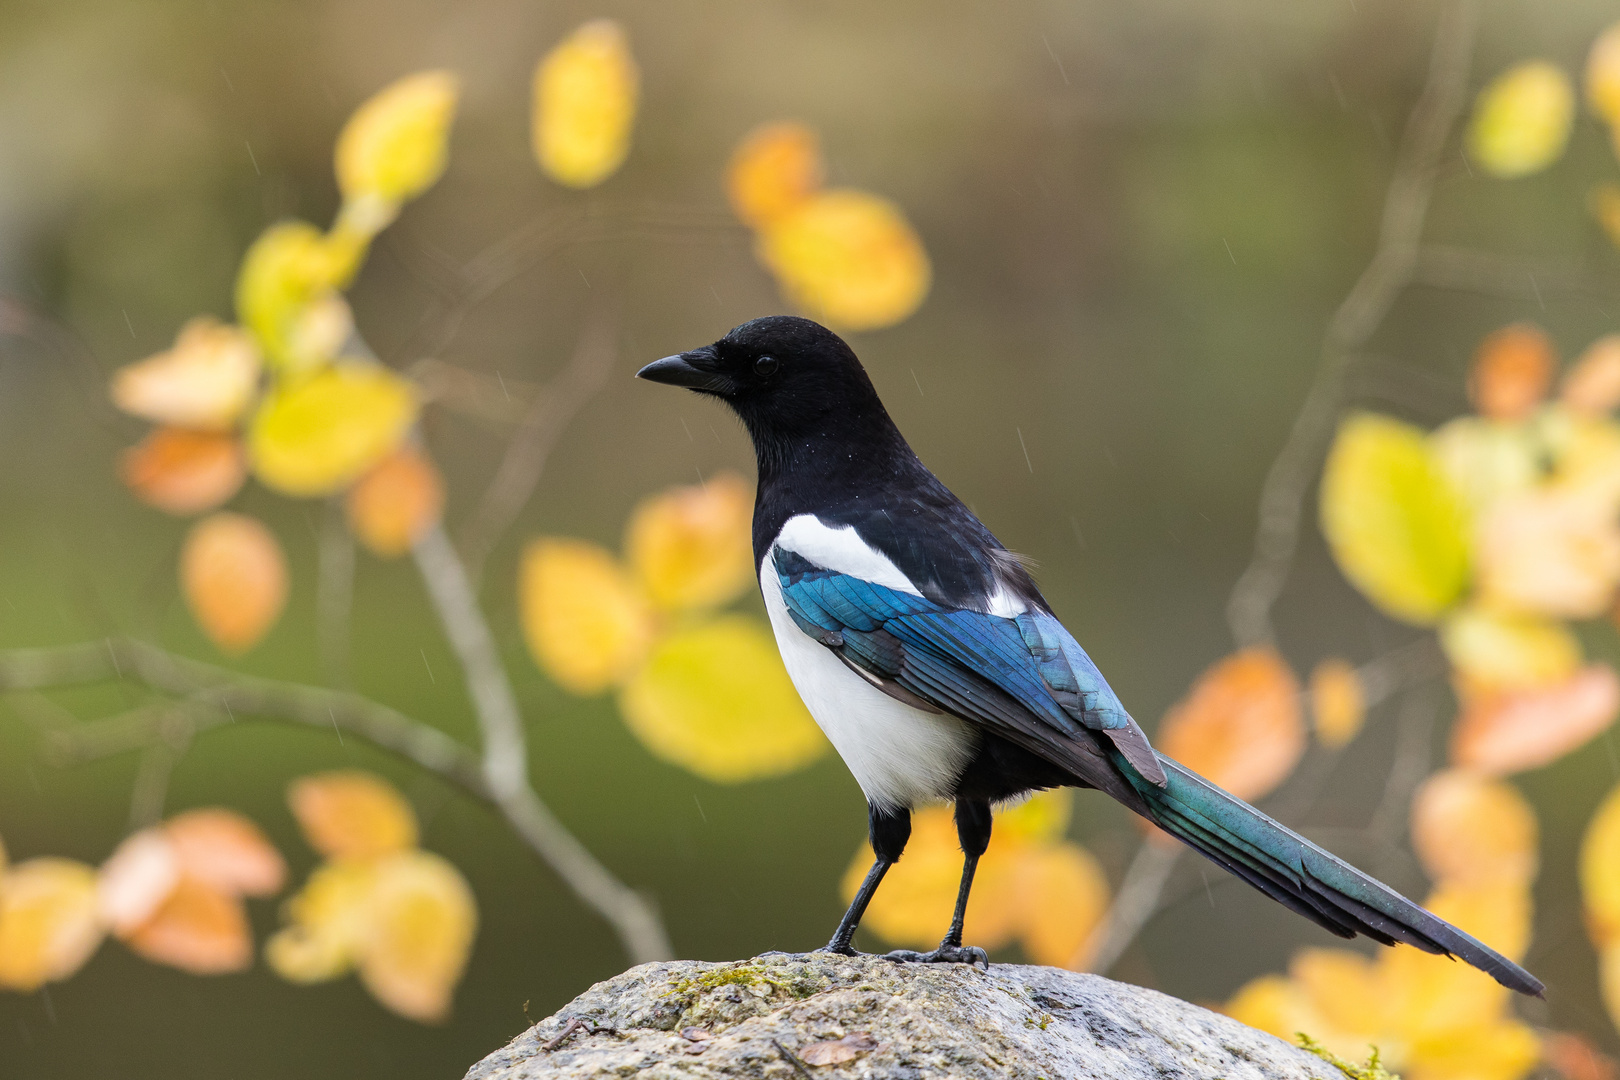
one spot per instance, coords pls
(900, 755)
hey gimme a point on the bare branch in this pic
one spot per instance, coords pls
(534, 439)
(506, 762)
(1135, 902)
(1465, 270)
(1391, 270)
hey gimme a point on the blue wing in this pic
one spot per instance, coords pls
(1025, 677)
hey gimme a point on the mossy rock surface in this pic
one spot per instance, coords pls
(787, 1017)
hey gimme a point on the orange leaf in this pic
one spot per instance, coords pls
(1470, 829)
(234, 579)
(692, 546)
(352, 815)
(1338, 702)
(49, 925)
(1591, 387)
(1574, 1058)
(197, 930)
(226, 852)
(775, 168)
(136, 878)
(422, 922)
(184, 472)
(1512, 370)
(396, 502)
(1066, 897)
(1515, 732)
(1240, 725)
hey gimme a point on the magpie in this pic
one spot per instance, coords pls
(924, 650)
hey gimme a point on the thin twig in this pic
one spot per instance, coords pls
(1391, 270)
(495, 399)
(1136, 901)
(212, 697)
(506, 762)
(1465, 270)
(534, 439)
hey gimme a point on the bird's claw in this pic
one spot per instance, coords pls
(945, 954)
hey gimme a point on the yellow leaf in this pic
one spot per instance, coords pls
(396, 502)
(394, 146)
(1553, 550)
(692, 546)
(1240, 725)
(1495, 651)
(1600, 872)
(288, 277)
(349, 814)
(329, 923)
(715, 700)
(1344, 986)
(184, 472)
(1587, 469)
(1591, 386)
(206, 381)
(585, 92)
(1526, 729)
(1338, 702)
(422, 919)
(1503, 1049)
(1281, 1006)
(1485, 459)
(1469, 829)
(1066, 897)
(198, 930)
(1603, 75)
(49, 923)
(226, 852)
(774, 169)
(319, 434)
(588, 624)
(1512, 369)
(234, 578)
(1394, 523)
(1042, 817)
(848, 258)
(1522, 119)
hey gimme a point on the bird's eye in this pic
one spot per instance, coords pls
(765, 366)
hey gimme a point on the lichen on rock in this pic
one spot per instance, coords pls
(785, 1017)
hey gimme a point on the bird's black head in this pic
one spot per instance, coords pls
(789, 379)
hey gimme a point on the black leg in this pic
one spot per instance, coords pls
(973, 830)
(889, 830)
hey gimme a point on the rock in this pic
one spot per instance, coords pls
(870, 1018)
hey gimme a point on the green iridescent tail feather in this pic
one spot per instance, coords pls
(1298, 874)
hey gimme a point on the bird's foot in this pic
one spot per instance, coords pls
(945, 954)
(838, 949)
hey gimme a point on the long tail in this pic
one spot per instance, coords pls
(1298, 874)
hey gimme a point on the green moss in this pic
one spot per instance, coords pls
(1039, 1021)
(743, 975)
(1373, 1070)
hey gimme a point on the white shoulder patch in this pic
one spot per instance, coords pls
(841, 550)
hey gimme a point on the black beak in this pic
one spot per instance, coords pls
(679, 371)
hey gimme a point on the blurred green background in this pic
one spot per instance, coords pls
(1141, 218)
